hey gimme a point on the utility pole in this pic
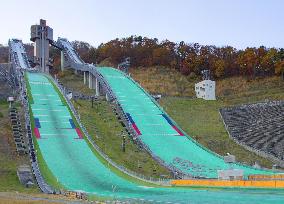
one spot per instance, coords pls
(92, 101)
(123, 145)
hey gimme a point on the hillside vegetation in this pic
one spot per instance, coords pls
(187, 58)
(200, 118)
(235, 90)
(107, 132)
(74, 82)
(164, 80)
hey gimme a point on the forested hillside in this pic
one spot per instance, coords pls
(188, 58)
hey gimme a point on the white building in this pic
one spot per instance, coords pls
(230, 174)
(206, 90)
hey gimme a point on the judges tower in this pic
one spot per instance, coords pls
(42, 35)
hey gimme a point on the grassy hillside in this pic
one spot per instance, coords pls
(164, 81)
(237, 90)
(74, 82)
(106, 130)
(200, 118)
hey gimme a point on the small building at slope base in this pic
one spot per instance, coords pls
(205, 89)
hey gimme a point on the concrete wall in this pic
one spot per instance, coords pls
(236, 183)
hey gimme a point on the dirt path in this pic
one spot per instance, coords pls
(19, 198)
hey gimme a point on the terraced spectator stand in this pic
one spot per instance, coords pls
(163, 182)
(258, 127)
(44, 187)
(18, 134)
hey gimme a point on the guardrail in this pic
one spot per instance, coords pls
(164, 182)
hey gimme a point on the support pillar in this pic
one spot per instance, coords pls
(107, 98)
(97, 87)
(93, 82)
(85, 77)
(62, 60)
(90, 81)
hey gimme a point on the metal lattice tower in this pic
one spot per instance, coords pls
(206, 75)
(124, 66)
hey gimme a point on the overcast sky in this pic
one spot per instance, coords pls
(239, 23)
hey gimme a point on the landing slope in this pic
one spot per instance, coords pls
(67, 155)
(161, 134)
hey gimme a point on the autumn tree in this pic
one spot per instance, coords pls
(187, 58)
(247, 61)
(219, 67)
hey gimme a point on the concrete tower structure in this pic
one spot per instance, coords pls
(42, 35)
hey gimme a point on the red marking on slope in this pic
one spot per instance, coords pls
(179, 132)
(37, 134)
(136, 129)
(79, 133)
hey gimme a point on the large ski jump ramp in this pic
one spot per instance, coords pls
(76, 167)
